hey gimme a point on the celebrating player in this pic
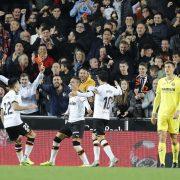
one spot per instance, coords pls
(104, 96)
(74, 127)
(168, 101)
(15, 127)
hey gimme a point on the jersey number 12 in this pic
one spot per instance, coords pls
(7, 108)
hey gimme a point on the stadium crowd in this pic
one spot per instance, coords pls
(45, 43)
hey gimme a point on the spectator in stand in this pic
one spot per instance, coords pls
(147, 16)
(66, 72)
(27, 90)
(7, 21)
(165, 51)
(143, 37)
(124, 51)
(106, 41)
(95, 69)
(127, 28)
(123, 9)
(31, 24)
(147, 103)
(4, 39)
(81, 7)
(142, 83)
(125, 102)
(59, 21)
(55, 71)
(79, 59)
(158, 61)
(153, 72)
(57, 95)
(49, 41)
(159, 29)
(86, 80)
(25, 39)
(70, 46)
(84, 37)
(11, 67)
(142, 86)
(123, 73)
(14, 33)
(42, 58)
(176, 60)
(16, 12)
(106, 9)
(147, 54)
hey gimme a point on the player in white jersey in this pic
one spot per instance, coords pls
(15, 127)
(74, 127)
(104, 97)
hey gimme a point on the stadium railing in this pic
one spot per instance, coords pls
(133, 140)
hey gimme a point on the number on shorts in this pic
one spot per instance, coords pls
(26, 127)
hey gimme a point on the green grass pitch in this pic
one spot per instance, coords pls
(78, 173)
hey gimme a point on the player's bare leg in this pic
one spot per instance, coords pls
(28, 147)
(96, 150)
(54, 151)
(107, 149)
(18, 148)
(175, 149)
(80, 151)
(162, 147)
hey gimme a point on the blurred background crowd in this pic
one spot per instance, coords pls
(129, 39)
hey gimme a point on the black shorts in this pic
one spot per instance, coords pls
(99, 126)
(76, 129)
(15, 131)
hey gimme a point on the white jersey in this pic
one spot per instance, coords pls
(76, 108)
(11, 117)
(104, 97)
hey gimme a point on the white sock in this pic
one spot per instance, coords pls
(83, 156)
(54, 152)
(20, 155)
(107, 149)
(28, 149)
(96, 150)
(84, 159)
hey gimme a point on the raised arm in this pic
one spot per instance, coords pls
(117, 90)
(87, 94)
(17, 107)
(4, 79)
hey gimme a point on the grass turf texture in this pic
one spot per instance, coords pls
(78, 173)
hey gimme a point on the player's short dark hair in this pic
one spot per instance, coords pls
(12, 82)
(77, 79)
(103, 76)
(169, 62)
